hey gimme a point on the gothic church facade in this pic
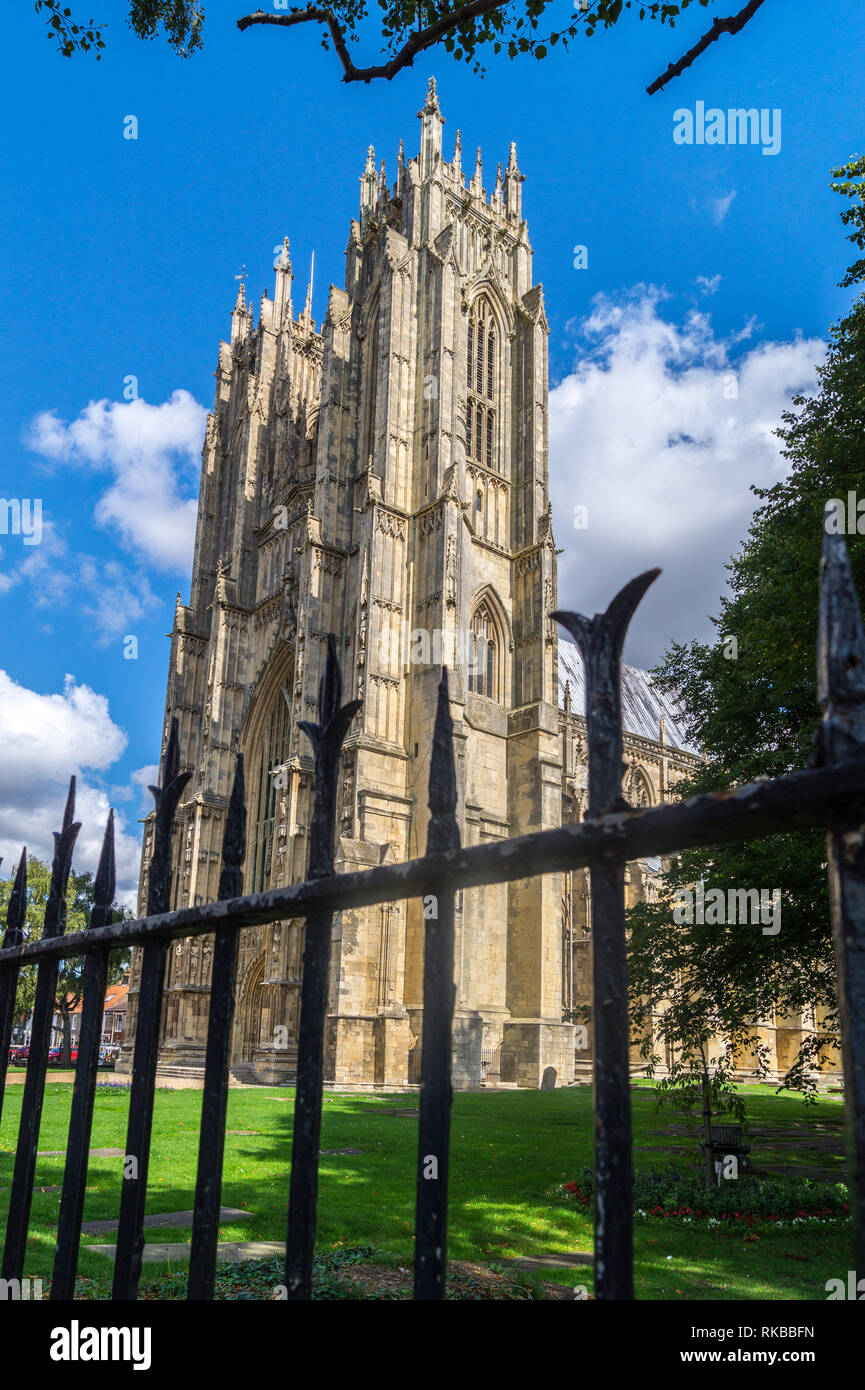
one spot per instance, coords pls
(385, 478)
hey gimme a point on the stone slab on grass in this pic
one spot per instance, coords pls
(568, 1261)
(159, 1253)
(166, 1218)
(55, 1187)
(94, 1153)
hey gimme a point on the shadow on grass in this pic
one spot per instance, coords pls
(509, 1152)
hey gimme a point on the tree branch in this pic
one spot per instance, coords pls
(452, 19)
(422, 39)
(731, 25)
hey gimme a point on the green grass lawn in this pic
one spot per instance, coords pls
(509, 1150)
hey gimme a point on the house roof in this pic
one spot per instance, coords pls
(642, 704)
(115, 998)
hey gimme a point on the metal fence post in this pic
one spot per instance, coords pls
(40, 1040)
(13, 936)
(433, 1154)
(84, 1090)
(326, 738)
(601, 640)
(130, 1231)
(841, 691)
(211, 1145)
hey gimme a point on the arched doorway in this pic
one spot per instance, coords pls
(250, 1010)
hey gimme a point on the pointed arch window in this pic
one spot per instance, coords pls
(639, 791)
(269, 754)
(481, 384)
(485, 648)
(372, 373)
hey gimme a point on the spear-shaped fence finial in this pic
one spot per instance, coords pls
(327, 738)
(64, 843)
(234, 838)
(166, 797)
(105, 882)
(15, 912)
(443, 831)
(840, 656)
(601, 640)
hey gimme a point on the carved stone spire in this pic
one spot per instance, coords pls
(432, 121)
(282, 292)
(476, 187)
(514, 181)
(497, 194)
(368, 188)
(400, 170)
(239, 317)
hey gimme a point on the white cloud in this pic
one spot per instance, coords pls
(115, 600)
(721, 206)
(708, 286)
(146, 777)
(152, 451)
(111, 598)
(659, 432)
(40, 566)
(47, 739)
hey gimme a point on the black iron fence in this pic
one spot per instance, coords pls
(830, 793)
(498, 1064)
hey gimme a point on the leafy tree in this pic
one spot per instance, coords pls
(70, 979)
(756, 716)
(181, 21)
(468, 28)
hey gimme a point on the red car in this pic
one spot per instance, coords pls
(19, 1054)
(56, 1054)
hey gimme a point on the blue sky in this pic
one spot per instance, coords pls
(121, 256)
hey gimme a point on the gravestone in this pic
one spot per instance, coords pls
(548, 1082)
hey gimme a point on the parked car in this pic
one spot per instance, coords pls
(56, 1054)
(19, 1054)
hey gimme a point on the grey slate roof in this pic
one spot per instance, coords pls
(642, 706)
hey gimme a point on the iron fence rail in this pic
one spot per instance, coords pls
(797, 801)
(829, 794)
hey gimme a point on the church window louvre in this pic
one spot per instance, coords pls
(481, 373)
(269, 754)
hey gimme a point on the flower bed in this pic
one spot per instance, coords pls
(673, 1195)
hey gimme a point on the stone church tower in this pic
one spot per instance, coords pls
(385, 479)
